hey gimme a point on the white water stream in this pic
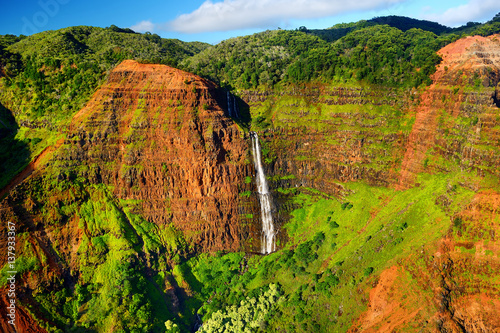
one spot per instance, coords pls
(268, 244)
(232, 106)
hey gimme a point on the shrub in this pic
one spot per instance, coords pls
(346, 205)
(334, 225)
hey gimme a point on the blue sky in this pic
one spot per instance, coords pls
(215, 20)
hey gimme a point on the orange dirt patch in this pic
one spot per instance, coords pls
(478, 313)
(387, 310)
(24, 322)
(420, 139)
(473, 56)
(468, 56)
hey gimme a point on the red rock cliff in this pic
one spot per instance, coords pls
(156, 137)
(462, 91)
(159, 135)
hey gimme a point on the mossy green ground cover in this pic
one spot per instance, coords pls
(335, 247)
(130, 275)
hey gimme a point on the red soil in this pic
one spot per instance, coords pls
(455, 291)
(468, 56)
(24, 323)
(387, 310)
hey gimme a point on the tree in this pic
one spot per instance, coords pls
(171, 327)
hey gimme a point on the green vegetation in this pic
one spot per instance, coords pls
(46, 78)
(402, 23)
(61, 69)
(250, 61)
(121, 272)
(316, 271)
(113, 289)
(390, 50)
(249, 315)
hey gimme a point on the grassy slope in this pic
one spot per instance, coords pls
(337, 246)
(325, 280)
(324, 271)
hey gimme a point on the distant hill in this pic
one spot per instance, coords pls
(394, 50)
(111, 40)
(400, 22)
(60, 69)
(47, 77)
(404, 24)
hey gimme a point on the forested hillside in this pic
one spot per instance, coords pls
(49, 76)
(395, 51)
(127, 163)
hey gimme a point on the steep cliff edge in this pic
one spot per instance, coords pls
(409, 178)
(159, 135)
(455, 131)
(150, 171)
(469, 62)
(338, 134)
(385, 136)
(389, 198)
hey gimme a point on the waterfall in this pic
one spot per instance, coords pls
(235, 107)
(232, 106)
(229, 104)
(268, 233)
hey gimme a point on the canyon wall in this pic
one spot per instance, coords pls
(152, 162)
(387, 136)
(392, 137)
(154, 168)
(160, 136)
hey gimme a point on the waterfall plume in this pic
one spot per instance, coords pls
(268, 233)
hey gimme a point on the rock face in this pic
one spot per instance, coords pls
(152, 162)
(388, 136)
(471, 61)
(455, 129)
(159, 135)
(325, 136)
(165, 149)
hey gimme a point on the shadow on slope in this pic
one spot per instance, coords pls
(14, 153)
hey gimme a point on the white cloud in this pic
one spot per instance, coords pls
(474, 10)
(143, 26)
(242, 14)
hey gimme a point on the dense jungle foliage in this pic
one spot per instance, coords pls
(46, 78)
(397, 51)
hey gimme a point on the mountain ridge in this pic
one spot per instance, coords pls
(146, 216)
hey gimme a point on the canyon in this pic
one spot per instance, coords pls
(161, 165)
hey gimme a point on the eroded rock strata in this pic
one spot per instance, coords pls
(160, 135)
(153, 144)
(158, 143)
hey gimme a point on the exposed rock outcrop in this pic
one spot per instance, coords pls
(471, 61)
(455, 130)
(325, 135)
(159, 135)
